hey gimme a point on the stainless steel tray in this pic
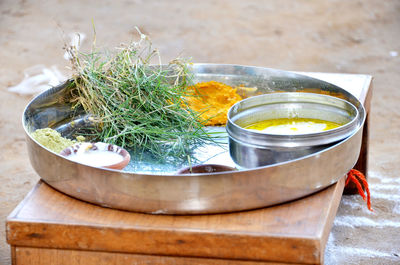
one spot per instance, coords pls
(153, 187)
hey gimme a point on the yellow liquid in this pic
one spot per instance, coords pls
(293, 126)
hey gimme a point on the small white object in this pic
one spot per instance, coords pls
(37, 79)
(393, 53)
(294, 128)
(76, 42)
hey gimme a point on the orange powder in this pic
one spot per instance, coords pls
(212, 101)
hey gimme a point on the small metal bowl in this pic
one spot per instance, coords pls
(206, 168)
(67, 152)
(249, 148)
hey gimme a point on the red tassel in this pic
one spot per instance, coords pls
(360, 181)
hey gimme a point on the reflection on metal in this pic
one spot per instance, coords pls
(170, 193)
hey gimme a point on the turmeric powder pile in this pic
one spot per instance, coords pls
(212, 101)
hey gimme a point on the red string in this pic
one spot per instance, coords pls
(360, 181)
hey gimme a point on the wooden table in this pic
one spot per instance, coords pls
(49, 227)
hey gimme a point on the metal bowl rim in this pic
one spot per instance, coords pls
(346, 125)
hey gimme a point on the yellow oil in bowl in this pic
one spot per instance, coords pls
(292, 126)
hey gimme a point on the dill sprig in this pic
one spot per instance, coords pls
(136, 104)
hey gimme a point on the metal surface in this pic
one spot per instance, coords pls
(249, 148)
(192, 193)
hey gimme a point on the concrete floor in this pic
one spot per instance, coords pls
(324, 36)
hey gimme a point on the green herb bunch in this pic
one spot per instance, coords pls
(136, 104)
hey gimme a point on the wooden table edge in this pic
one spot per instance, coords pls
(37, 233)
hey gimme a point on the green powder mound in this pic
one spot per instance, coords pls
(52, 139)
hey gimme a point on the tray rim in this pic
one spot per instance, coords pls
(243, 171)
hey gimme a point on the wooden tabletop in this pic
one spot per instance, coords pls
(291, 232)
